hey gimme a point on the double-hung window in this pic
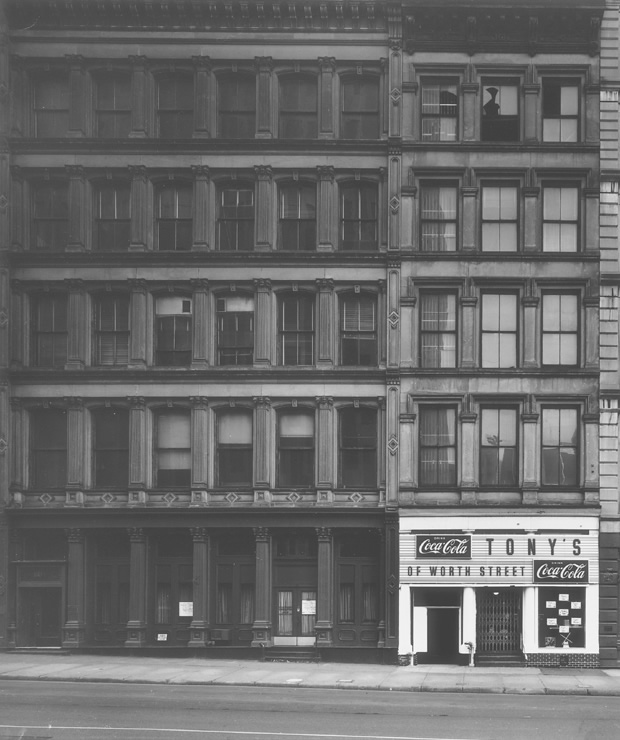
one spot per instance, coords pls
(48, 448)
(437, 446)
(111, 447)
(236, 219)
(298, 107)
(358, 448)
(438, 217)
(499, 218)
(560, 218)
(560, 328)
(173, 452)
(560, 447)
(112, 330)
(175, 107)
(560, 106)
(296, 329)
(112, 217)
(358, 216)
(113, 106)
(500, 110)
(498, 447)
(50, 223)
(235, 330)
(438, 329)
(51, 105)
(173, 331)
(439, 110)
(359, 116)
(295, 448)
(236, 107)
(234, 448)
(50, 329)
(499, 330)
(174, 217)
(358, 329)
(297, 224)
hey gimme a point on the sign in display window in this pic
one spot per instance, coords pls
(561, 617)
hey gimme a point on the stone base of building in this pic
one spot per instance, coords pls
(562, 660)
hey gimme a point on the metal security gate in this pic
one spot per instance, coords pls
(498, 622)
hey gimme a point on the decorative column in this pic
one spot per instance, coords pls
(20, 434)
(531, 117)
(74, 629)
(390, 570)
(138, 445)
(136, 626)
(392, 472)
(139, 97)
(78, 95)
(405, 645)
(14, 225)
(470, 88)
(261, 628)
(531, 463)
(469, 615)
(264, 240)
(593, 101)
(591, 303)
(18, 338)
(469, 301)
(264, 122)
(325, 356)
(76, 434)
(469, 195)
(140, 209)
(201, 323)
(77, 209)
(531, 196)
(326, 213)
(262, 443)
(393, 314)
(469, 451)
(77, 324)
(394, 196)
(202, 96)
(530, 302)
(592, 197)
(327, 65)
(408, 476)
(591, 420)
(199, 628)
(324, 625)
(202, 210)
(263, 339)
(139, 325)
(396, 78)
(324, 451)
(200, 447)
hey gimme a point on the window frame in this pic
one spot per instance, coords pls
(299, 332)
(57, 225)
(426, 185)
(304, 468)
(238, 349)
(115, 334)
(576, 447)
(350, 117)
(121, 190)
(499, 332)
(362, 222)
(346, 471)
(299, 223)
(60, 334)
(500, 222)
(226, 124)
(159, 451)
(561, 82)
(239, 449)
(181, 242)
(359, 334)
(237, 219)
(514, 482)
(183, 118)
(44, 79)
(499, 82)
(44, 448)
(120, 116)
(182, 357)
(427, 408)
(576, 223)
(298, 118)
(544, 333)
(427, 81)
(428, 293)
(119, 453)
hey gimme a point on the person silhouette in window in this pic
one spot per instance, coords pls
(491, 108)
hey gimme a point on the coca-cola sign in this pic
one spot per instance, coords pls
(560, 571)
(453, 546)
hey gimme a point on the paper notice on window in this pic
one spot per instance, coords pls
(551, 604)
(575, 621)
(552, 622)
(563, 612)
(186, 608)
(575, 605)
(563, 597)
(308, 606)
(564, 630)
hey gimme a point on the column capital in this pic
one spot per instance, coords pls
(138, 171)
(324, 533)
(325, 402)
(201, 402)
(74, 402)
(138, 285)
(136, 402)
(263, 171)
(327, 64)
(262, 402)
(262, 285)
(261, 534)
(138, 60)
(75, 285)
(199, 534)
(202, 62)
(136, 534)
(75, 171)
(75, 61)
(264, 64)
(201, 171)
(75, 535)
(326, 172)
(199, 284)
(325, 285)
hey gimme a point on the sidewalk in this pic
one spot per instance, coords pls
(196, 671)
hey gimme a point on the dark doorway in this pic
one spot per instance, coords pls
(39, 615)
(443, 635)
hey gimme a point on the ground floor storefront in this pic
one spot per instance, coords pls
(499, 590)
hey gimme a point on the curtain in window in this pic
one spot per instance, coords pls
(438, 447)
(308, 620)
(224, 604)
(346, 606)
(370, 602)
(247, 603)
(285, 612)
(173, 449)
(163, 608)
(439, 330)
(438, 207)
(439, 112)
(234, 436)
(358, 330)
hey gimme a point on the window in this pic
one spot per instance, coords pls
(237, 107)
(173, 449)
(358, 216)
(298, 107)
(500, 111)
(297, 226)
(438, 329)
(175, 107)
(560, 326)
(359, 118)
(438, 218)
(235, 330)
(111, 447)
(439, 111)
(236, 220)
(437, 452)
(234, 448)
(295, 448)
(49, 448)
(50, 224)
(498, 447)
(358, 448)
(112, 217)
(50, 332)
(173, 331)
(51, 105)
(112, 330)
(499, 330)
(296, 329)
(358, 330)
(499, 218)
(560, 110)
(113, 107)
(559, 447)
(560, 218)
(174, 217)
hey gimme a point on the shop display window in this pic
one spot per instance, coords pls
(561, 617)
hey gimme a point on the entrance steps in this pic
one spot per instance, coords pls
(291, 654)
(490, 660)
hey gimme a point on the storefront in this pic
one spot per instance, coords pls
(502, 590)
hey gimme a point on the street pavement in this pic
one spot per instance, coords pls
(213, 671)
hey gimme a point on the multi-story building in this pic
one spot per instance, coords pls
(300, 333)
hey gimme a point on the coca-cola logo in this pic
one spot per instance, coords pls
(443, 546)
(560, 571)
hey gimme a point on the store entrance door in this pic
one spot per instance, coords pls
(443, 634)
(296, 616)
(39, 617)
(498, 623)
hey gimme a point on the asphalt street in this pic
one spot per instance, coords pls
(32, 710)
